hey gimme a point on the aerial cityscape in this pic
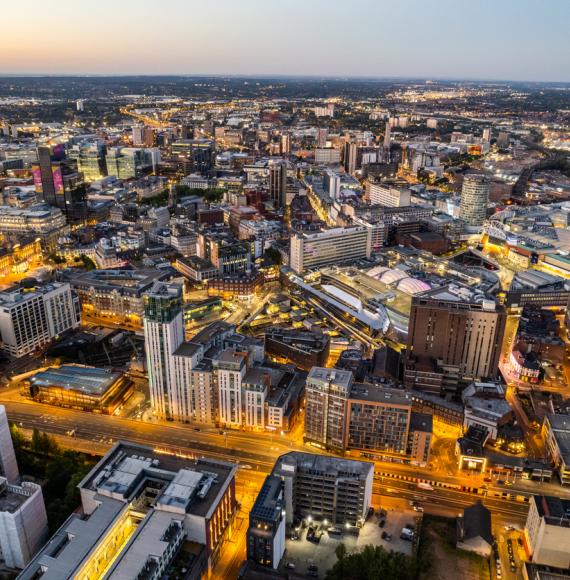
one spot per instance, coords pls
(283, 300)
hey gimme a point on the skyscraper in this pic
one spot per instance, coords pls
(59, 183)
(350, 157)
(278, 182)
(387, 136)
(327, 392)
(474, 199)
(164, 332)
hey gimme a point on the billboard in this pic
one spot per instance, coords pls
(57, 179)
(37, 175)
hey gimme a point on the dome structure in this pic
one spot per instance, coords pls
(412, 286)
(377, 271)
(392, 276)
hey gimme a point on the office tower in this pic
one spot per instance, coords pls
(331, 183)
(487, 134)
(459, 328)
(138, 135)
(321, 137)
(387, 135)
(329, 247)
(59, 183)
(474, 200)
(285, 144)
(30, 319)
(80, 105)
(90, 158)
(194, 155)
(387, 193)
(326, 393)
(163, 323)
(8, 464)
(138, 508)
(23, 522)
(431, 123)
(231, 368)
(266, 532)
(547, 531)
(278, 182)
(503, 140)
(350, 157)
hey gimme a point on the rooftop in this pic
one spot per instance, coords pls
(90, 380)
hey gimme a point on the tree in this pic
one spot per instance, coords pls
(371, 563)
(88, 263)
(272, 256)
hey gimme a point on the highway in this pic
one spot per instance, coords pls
(254, 452)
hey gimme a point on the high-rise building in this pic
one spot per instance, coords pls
(59, 183)
(321, 137)
(8, 464)
(332, 246)
(474, 199)
(23, 522)
(278, 182)
(164, 332)
(90, 157)
(387, 135)
(326, 393)
(285, 144)
(350, 157)
(194, 155)
(231, 367)
(29, 320)
(326, 489)
(460, 328)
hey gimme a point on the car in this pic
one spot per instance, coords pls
(499, 575)
(500, 482)
(290, 566)
(520, 542)
(294, 537)
(370, 513)
(384, 534)
(382, 523)
(388, 537)
(487, 480)
(513, 568)
(196, 428)
(310, 534)
(313, 568)
(418, 508)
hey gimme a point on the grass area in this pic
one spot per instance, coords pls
(441, 560)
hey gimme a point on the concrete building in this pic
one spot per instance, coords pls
(277, 182)
(304, 348)
(460, 329)
(326, 395)
(231, 368)
(387, 193)
(266, 532)
(547, 531)
(556, 434)
(8, 464)
(23, 522)
(142, 509)
(474, 200)
(330, 247)
(325, 488)
(164, 332)
(114, 293)
(30, 319)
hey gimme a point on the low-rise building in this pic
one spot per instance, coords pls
(556, 435)
(474, 533)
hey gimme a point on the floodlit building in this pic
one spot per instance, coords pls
(330, 247)
(547, 531)
(474, 199)
(142, 510)
(29, 319)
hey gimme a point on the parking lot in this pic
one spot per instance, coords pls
(305, 555)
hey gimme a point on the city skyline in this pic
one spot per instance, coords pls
(251, 38)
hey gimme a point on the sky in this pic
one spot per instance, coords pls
(477, 39)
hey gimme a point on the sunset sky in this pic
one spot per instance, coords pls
(486, 39)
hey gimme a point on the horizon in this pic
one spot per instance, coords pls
(321, 39)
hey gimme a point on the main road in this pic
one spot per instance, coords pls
(251, 451)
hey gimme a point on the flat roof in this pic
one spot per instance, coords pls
(90, 380)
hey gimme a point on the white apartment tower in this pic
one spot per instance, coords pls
(30, 319)
(164, 333)
(230, 368)
(474, 199)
